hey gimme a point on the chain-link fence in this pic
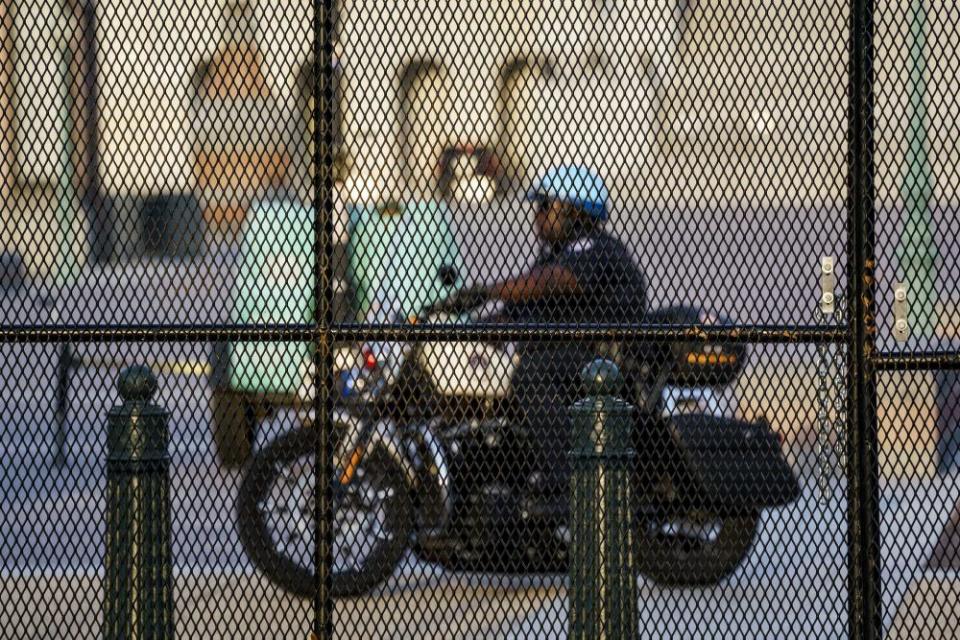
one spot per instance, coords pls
(495, 319)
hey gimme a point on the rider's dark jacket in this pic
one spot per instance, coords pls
(612, 291)
(612, 287)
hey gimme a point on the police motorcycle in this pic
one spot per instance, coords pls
(428, 458)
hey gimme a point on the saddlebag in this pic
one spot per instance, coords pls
(733, 464)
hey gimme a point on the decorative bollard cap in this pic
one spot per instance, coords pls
(136, 428)
(137, 384)
(602, 420)
(601, 378)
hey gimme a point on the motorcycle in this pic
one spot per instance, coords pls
(428, 452)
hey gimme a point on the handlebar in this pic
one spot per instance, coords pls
(462, 301)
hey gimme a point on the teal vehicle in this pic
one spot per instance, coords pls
(403, 253)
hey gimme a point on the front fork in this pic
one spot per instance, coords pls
(416, 450)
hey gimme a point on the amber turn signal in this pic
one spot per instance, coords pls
(704, 359)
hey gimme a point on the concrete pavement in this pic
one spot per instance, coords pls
(755, 264)
(51, 528)
(793, 586)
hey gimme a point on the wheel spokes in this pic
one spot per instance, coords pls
(359, 516)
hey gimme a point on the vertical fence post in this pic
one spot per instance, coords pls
(138, 582)
(603, 579)
(322, 175)
(863, 505)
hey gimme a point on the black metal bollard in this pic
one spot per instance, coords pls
(138, 590)
(603, 587)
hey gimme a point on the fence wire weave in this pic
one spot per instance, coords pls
(497, 319)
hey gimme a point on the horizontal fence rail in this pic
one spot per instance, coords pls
(916, 361)
(542, 332)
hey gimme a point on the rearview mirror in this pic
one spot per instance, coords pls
(448, 275)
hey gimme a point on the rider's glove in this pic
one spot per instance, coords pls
(472, 297)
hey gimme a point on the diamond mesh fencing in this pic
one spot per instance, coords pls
(497, 319)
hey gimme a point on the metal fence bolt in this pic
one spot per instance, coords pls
(138, 593)
(603, 590)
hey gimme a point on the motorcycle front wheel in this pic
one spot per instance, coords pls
(372, 518)
(696, 548)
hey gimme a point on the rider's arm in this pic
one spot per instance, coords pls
(537, 283)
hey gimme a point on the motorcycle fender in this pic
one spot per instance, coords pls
(383, 434)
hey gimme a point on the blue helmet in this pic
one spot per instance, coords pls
(574, 184)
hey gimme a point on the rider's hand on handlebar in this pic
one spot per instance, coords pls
(473, 297)
(464, 300)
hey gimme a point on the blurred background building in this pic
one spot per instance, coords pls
(736, 107)
(680, 112)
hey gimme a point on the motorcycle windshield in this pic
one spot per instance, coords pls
(401, 260)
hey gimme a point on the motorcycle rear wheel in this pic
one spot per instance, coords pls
(697, 549)
(379, 486)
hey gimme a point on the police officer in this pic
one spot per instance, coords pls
(583, 275)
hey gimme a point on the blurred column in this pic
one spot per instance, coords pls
(69, 253)
(85, 94)
(917, 250)
(69, 241)
(7, 153)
